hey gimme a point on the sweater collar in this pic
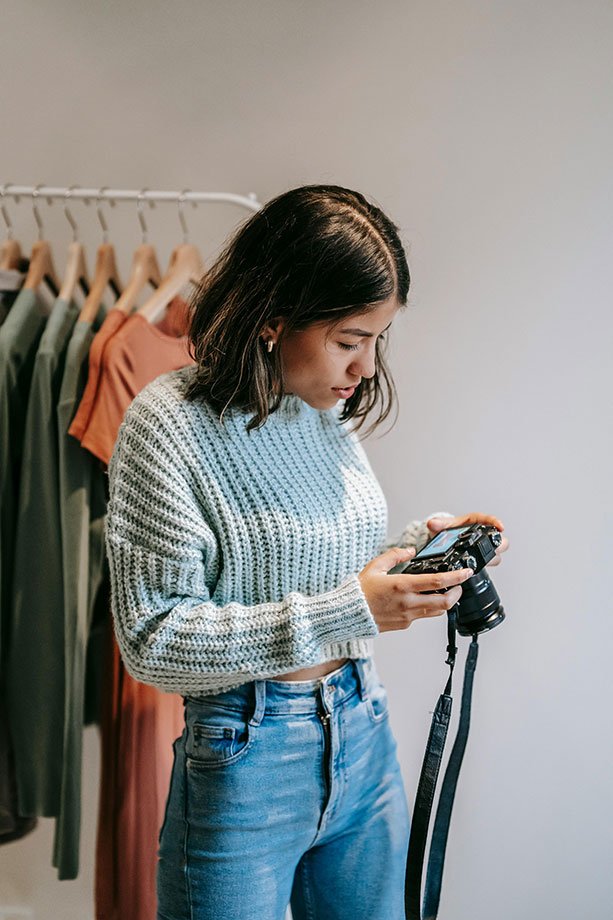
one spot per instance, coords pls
(291, 407)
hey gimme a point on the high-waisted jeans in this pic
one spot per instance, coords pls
(286, 791)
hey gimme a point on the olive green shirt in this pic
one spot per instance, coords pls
(20, 335)
(82, 502)
(35, 670)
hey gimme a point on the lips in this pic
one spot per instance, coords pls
(344, 392)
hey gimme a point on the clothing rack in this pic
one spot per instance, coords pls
(49, 192)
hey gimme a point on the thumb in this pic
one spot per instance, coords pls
(393, 557)
(435, 524)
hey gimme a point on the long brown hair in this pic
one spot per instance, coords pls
(316, 253)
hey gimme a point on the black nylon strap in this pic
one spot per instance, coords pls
(426, 789)
(434, 875)
(423, 806)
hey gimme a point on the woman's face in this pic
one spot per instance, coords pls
(320, 360)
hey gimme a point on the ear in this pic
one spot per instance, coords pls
(273, 328)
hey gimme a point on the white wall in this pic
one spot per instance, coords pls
(484, 129)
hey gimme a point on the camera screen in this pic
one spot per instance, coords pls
(441, 543)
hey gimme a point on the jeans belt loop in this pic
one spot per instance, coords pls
(360, 665)
(259, 687)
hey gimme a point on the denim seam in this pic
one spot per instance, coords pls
(188, 890)
(342, 755)
(336, 775)
(306, 888)
(167, 805)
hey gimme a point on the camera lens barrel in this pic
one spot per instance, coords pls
(479, 608)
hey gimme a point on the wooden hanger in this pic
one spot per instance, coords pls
(145, 270)
(105, 275)
(185, 265)
(105, 272)
(76, 272)
(42, 269)
(10, 250)
(10, 254)
(41, 262)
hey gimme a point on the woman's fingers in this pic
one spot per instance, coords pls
(432, 605)
(432, 581)
(498, 557)
(475, 517)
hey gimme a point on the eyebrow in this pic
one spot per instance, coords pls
(362, 331)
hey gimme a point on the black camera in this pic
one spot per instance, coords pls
(471, 547)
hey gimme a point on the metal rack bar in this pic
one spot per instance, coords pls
(49, 192)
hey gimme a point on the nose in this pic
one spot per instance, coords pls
(364, 365)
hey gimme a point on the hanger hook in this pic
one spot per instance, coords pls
(39, 223)
(139, 208)
(180, 203)
(16, 197)
(71, 220)
(103, 223)
(5, 213)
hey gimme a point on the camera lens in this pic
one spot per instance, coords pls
(479, 608)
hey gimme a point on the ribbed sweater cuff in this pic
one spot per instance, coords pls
(340, 614)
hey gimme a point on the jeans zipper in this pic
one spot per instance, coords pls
(325, 721)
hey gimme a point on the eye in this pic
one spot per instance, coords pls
(355, 347)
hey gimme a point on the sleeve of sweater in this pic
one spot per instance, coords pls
(169, 632)
(415, 534)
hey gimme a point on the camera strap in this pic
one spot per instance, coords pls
(427, 786)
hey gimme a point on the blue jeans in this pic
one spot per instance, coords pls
(286, 791)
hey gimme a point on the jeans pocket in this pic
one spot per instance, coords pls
(377, 702)
(217, 737)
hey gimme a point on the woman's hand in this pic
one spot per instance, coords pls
(396, 600)
(435, 525)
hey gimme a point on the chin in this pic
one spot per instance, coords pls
(321, 402)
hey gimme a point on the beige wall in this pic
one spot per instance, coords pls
(484, 129)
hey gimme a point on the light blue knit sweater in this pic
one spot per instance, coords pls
(235, 555)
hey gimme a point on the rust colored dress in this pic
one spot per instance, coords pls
(139, 723)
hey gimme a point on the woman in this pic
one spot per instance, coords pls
(246, 539)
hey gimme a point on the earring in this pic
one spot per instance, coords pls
(270, 344)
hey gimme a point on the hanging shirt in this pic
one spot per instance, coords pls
(82, 502)
(35, 672)
(11, 281)
(139, 723)
(114, 320)
(136, 354)
(139, 726)
(19, 338)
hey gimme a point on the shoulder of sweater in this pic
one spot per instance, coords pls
(163, 403)
(163, 414)
(156, 418)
